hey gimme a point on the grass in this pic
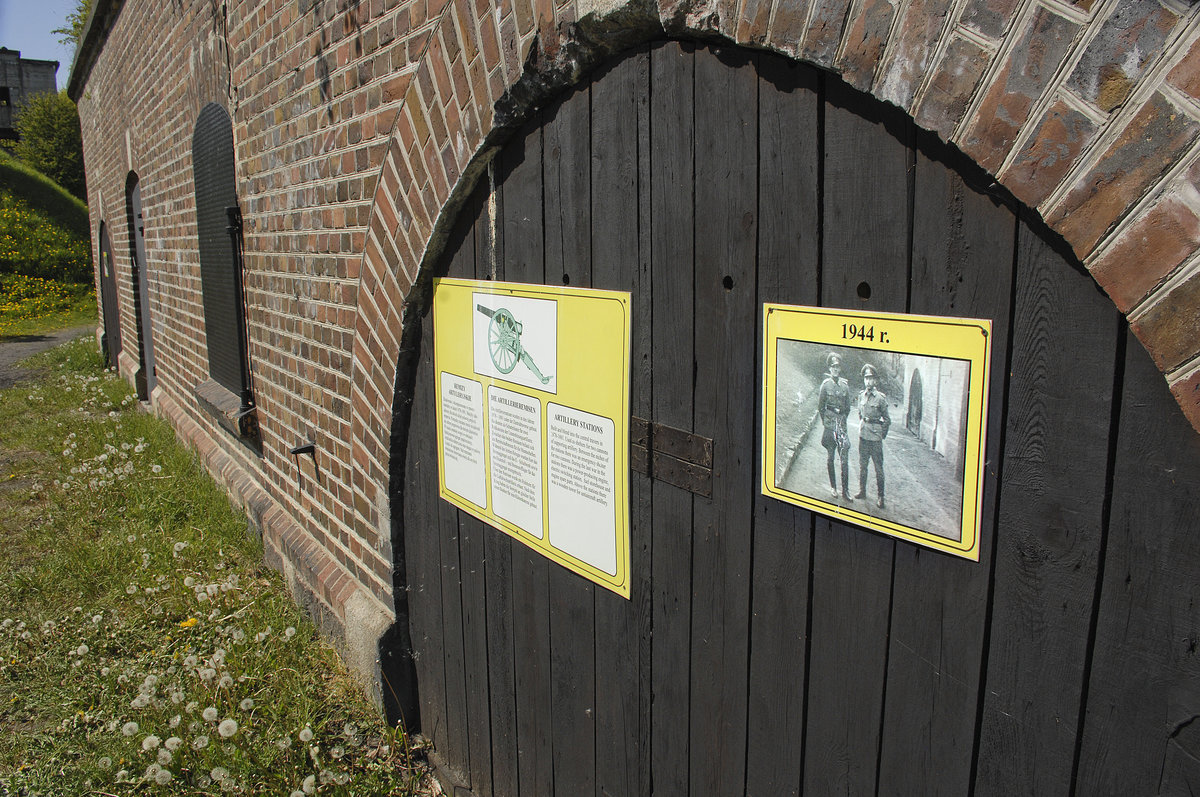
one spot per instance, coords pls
(29, 305)
(144, 647)
(44, 195)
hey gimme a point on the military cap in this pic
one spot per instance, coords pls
(868, 370)
(832, 359)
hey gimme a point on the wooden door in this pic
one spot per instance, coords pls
(767, 650)
(137, 231)
(108, 299)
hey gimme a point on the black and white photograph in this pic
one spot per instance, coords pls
(882, 433)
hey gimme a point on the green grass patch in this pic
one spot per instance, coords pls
(144, 646)
(30, 305)
(44, 195)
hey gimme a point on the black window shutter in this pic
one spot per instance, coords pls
(220, 266)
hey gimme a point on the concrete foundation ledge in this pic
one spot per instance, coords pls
(347, 614)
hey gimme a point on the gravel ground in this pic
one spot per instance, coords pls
(15, 348)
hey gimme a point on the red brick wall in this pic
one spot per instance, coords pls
(355, 122)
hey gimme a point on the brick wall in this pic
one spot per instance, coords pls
(360, 124)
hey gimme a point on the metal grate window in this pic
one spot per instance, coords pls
(218, 223)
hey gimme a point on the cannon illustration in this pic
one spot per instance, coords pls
(504, 342)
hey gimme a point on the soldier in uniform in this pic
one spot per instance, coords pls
(873, 410)
(834, 406)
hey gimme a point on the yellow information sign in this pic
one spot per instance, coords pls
(878, 419)
(533, 417)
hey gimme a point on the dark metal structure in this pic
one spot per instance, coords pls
(108, 298)
(767, 650)
(146, 379)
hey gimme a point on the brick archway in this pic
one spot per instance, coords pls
(1087, 112)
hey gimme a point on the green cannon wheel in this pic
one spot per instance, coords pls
(504, 341)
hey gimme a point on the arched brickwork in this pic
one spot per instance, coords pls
(1087, 111)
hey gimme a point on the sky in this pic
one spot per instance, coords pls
(25, 25)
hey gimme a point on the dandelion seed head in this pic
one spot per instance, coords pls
(129, 728)
(200, 742)
(151, 742)
(227, 728)
(225, 682)
(246, 704)
(209, 714)
(219, 774)
(306, 735)
(152, 771)
(104, 762)
(164, 756)
(189, 581)
(173, 743)
(163, 777)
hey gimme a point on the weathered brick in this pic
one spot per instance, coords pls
(752, 19)
(950, 87)
(1043, 45)
(1115, 59)
(989, 17)
(824, 31)
(917, 39)
(1168, 327)
(1048, 155)
(787, 26)
(1152, 141)
(1145, 254)
(866, 34)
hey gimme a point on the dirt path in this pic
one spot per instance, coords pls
(17, 347)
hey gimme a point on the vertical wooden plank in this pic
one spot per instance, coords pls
(1140, 734)
(1055, 470)
(567, 174)
(672, 184)
(963, 245)
(726, 196)
(498, 546)
(864, 265)
(616, 96)
(421, 546)
(472, 568)
(788, 257)
(456, 750)
(524, 262)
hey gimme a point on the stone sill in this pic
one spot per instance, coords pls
(223, 405)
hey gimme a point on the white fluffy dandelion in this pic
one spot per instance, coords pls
(305, 735)
(227, 728)
(164, 756)
(309, 784)
(246, 704)
(151, 742)
(209, 714)
(163, 777)
(173, 743)
(104, 763)
(129, 728)
(200, 742)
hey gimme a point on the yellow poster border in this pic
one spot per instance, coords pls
(964, 339)
(605, 396)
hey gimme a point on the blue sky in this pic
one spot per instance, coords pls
(25, 25)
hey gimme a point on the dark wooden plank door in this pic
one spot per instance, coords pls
(767, 650)
(137, 234)
(108, 298)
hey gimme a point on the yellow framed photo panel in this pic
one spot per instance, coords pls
(533, 417)
(878, 419)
